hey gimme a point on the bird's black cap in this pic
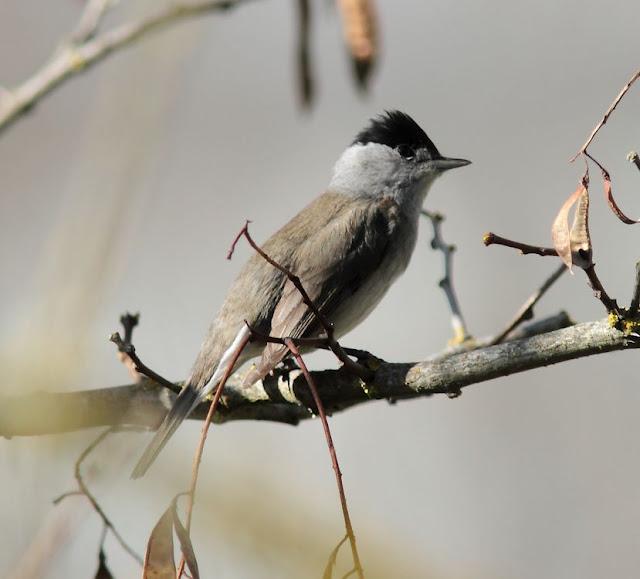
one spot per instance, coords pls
(398, 131)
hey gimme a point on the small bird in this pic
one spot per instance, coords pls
(347, 247)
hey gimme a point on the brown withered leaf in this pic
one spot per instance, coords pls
(158, 560)
(360, 33)
(103, 571)
(580, 240)
(608, 193)
(560, 232)
(185, 542)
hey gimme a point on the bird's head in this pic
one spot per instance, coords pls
(391, 156)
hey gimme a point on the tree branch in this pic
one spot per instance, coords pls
(287, 400)
(87, 50)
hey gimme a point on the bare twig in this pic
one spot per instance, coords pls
(130, 350)
(524, 248)
(90, 20)
(526, 310)
(460, 331)
(129, 322)
(332, 452)
(84, 490)
(606, 116)
(358, 369)
(74, 58)
(634, 158)
(599, 291)
(191, 494)
(595, 283)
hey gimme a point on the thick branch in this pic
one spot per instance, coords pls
(276, 399)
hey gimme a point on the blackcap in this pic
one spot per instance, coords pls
(347, 247)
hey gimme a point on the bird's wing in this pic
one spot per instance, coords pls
(332, 265)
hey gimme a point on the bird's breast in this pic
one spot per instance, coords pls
(363, 301)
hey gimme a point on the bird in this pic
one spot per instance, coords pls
(347, 247)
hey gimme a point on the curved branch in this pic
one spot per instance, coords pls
(285, 398)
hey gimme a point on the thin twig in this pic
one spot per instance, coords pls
(72, 58)
(526, 310)
(524, 248)
(191, 494)
(84, 490)
(89, 22)
(460, 331)
(358, 369)
(606, 116)
(130, 350)
(332, 452)
(595, 283)
(634, 158)
(599, 291)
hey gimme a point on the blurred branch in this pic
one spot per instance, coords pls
(460, 331)
(306, 85)
(83, 489)
(284, 397)
(87, 48)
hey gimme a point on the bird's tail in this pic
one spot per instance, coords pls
(186, 401)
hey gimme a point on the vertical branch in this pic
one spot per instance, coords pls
(332, 452)
(460, 332)
(305, 74)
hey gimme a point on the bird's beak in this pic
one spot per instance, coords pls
(446, 163)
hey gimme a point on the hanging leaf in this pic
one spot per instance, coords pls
(360, 33)
(560, 232)
(103, 571)
(185, 542)
(158, 560)
(608, 193)
(580, 240)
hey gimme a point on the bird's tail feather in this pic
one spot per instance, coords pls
(186, 401)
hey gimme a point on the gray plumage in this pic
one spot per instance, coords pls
(347, 247)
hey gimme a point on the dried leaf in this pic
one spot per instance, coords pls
(360, 33)
(331, 562)
(580, 240)
(608, 193)
(185, 542)
(103, 571)
(158, 560)
(560, 232)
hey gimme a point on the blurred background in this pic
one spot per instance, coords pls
(123, 188)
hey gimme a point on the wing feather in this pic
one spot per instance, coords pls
(332, 265)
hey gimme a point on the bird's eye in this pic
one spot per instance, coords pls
(406, 151)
